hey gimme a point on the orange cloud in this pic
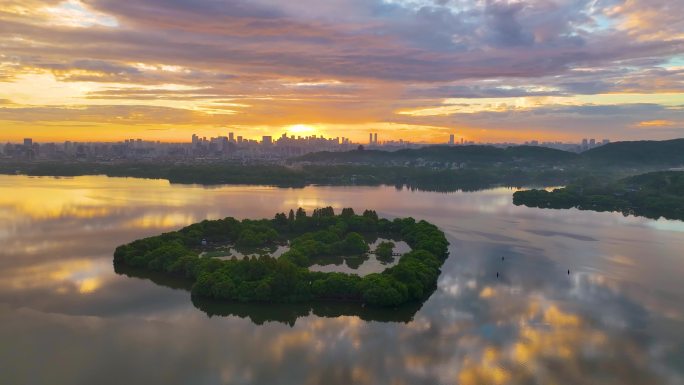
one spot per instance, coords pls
(656, 123)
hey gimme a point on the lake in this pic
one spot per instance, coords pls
(66, 317)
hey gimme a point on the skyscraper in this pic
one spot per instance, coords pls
(267, 140)
(231, 136)
(451, 139)
(370, 138)
(375, 138)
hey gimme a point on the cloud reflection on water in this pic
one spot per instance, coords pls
(617, 319)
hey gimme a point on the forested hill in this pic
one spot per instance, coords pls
(640, 153)
(459, 154)
(644, 152)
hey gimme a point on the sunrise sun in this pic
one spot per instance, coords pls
(301, 129)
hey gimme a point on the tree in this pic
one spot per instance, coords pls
(354, 244)
(384, 250)
(370, 214)
(324, 212)
(347, 212)
(382, 290)
(281, 219)
(296, 257)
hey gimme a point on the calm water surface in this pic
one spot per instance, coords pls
(67, 318)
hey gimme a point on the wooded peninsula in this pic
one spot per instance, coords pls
(652, 195)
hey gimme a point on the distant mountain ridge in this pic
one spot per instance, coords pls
(667, 152)
(470, 153)
(643, 152)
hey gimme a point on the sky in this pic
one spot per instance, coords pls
(419, 70)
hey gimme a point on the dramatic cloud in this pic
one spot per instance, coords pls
(264, 65)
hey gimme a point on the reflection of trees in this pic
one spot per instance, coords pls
(259, 313)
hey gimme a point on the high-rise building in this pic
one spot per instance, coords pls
(592, 142)
(375, 138)
(461, 141)
(231, 136)
(28, 142)
(370, 138)
(195, 139)
(451, 139)
(266, 140)
(239, 139)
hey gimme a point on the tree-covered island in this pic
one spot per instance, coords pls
(652, 195)
(287, 279)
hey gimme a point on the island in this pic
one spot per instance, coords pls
(652, 195)
(302, 240)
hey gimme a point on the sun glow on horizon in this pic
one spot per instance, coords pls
(302, 129)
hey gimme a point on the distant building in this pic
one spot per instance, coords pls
(370, 138)
(605, 141)
(267, 140)
(375, 138)
(28, 142)
(592, 142)
(231, 136)
(451, 139)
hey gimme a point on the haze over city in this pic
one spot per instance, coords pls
(488, 71)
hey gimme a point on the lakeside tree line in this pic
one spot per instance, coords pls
(287, 279)
(428, 178)
(652, 195)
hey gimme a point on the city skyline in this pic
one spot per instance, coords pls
(492, 71)
(453, 139)
(300, 131)
(234, 147)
